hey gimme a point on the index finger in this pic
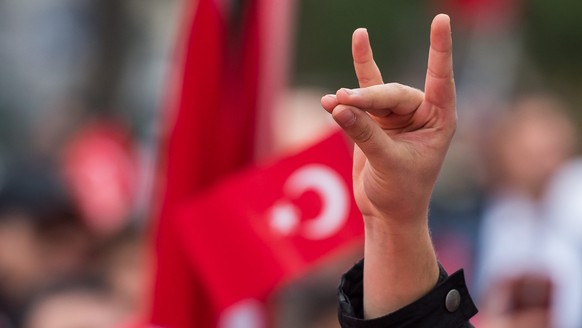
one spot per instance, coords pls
(366, 69)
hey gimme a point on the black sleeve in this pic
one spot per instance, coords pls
(448, 305)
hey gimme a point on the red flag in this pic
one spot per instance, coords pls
(212, 131)
(267, 226)
(212, 135)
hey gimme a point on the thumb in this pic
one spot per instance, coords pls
(363, 130)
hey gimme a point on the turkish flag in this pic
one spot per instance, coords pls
(211, 127)
(265, 227)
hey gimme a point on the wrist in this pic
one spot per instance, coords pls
(397, 238)
(396, 224)
(400, 264)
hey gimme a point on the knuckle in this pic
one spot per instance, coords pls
(364, 79)
(363, 135)
(439, 75)
(397, 86)
(363, 58)
(370, 103)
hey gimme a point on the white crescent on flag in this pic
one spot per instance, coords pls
(329, 186)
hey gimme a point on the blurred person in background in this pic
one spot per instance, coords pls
(73, 305)
(45, 244)
(41, 236)
(530, 266)
(310, 302)
(123, 268)
(110, 295)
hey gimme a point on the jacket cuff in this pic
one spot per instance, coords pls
(447, 305)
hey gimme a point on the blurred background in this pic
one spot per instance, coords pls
(115, 114)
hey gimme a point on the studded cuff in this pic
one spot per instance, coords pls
(448, 305)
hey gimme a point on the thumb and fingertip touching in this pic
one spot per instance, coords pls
(362, 129)
(329, 102)
(344, 116)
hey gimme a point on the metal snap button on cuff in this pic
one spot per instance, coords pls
(453, 300)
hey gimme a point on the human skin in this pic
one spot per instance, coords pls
(402, 135)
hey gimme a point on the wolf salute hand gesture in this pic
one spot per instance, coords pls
(401, 136)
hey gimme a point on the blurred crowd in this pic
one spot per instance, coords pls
(82, 85)
(526, 260)
(55, 271)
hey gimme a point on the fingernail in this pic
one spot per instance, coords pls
(329, 96)
(345, 118)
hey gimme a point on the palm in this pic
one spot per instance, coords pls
(416, 146)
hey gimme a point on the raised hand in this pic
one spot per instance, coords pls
(401, 136)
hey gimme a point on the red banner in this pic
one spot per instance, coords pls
(211, 129)
(267, 226)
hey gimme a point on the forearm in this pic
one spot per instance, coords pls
(400, 265)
